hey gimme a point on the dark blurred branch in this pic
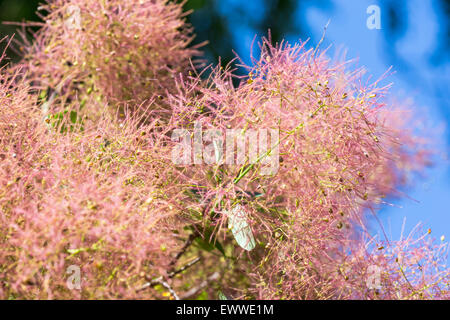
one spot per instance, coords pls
(187, 244)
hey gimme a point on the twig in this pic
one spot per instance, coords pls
(172, 292)
(215, 276)
(160, 280)
(323, 37)
(188, 265)
(187, 244)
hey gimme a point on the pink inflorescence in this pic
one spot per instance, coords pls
(88, 180)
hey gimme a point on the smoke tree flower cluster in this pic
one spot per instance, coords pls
(87, 176)
(115, 52)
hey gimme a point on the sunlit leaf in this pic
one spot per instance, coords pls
(242, 232)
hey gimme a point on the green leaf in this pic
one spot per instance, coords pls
(43, 95)
(208, 235)
(76, 251)
(202, 296)
(208, 245)
(205, 245)
(222, 296)
(73, 117)
(56, 120)
(219, 247)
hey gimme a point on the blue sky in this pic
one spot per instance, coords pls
(347, 29)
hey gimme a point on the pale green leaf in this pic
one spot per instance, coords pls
(242, 232)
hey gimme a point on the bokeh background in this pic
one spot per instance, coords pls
(414, 39)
